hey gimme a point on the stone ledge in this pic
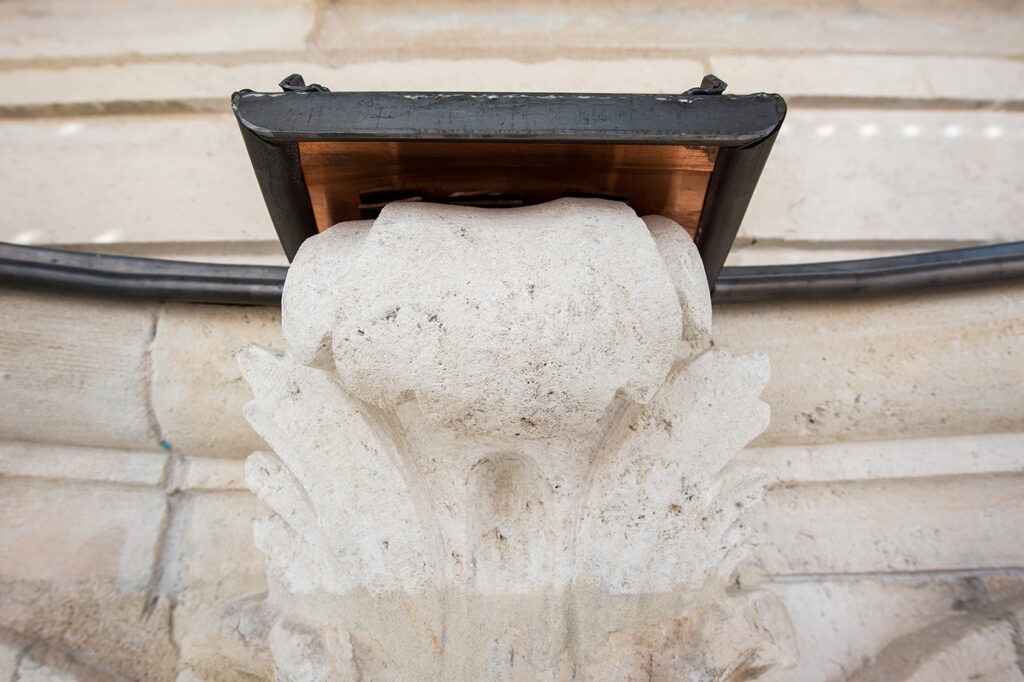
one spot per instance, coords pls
(654, 24)
(66, 28)
(911, 458)
(964, 523)
(924, 77)
(209, 474)
(75, 371)
(35, 460)
(1001, 453)
(198, 392)
(835, 366)
(61, 532)
(911, 366)
(142, 82)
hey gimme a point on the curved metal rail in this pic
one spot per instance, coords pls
(153, 279)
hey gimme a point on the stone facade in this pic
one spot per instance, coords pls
(889, 534)
(883, 516)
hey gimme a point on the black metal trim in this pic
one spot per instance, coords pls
(729, 192)
(743, 127)
(692, 119)
(930, 271)
(279, 174)
(139, 278)
(162, 280)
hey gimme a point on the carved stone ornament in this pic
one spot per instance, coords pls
(501, 450)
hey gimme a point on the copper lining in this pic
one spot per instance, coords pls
(346, 180)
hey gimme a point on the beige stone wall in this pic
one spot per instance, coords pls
(893, 528)
(894, 516)
(904, 133)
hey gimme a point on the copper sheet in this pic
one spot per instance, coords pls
(654, 179)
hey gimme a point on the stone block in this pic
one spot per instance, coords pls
(841, 623)
(89, 628)
(129, 179)
(898, 367)
(962, 648)
(846, 175)
(10, 655)
(203, 473)
(198, 393)
(66, 28)
(964, 523)
(112, 85)
(62, 532)
(31, 671)
(535, 27)
(219, 621)
(77, 561)
(75, 370)
(36, 460)
(905, 458)
(219, 561)
(839, 177)
(874, 76)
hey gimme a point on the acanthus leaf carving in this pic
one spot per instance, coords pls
(422, 549)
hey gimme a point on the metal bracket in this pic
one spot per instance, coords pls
(296, 83)
(711, 85)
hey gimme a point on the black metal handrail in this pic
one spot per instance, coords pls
(164, 280)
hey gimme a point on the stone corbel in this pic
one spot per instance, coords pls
(501, 450)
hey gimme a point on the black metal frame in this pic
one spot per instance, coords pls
(743, 127)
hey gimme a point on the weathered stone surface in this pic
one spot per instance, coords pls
(908, 366)
(354, 530)
(571, 296)
(945, 524)
(65, 28)
(76, 564)
(840, 623)
(74, 370)
(997, 453)
(873, 76)
(90, 629)
(878, 175)
(165, 178)
(37, 460)
(203, 473)
(31, 671)
(812, 190)
(10, 655)
(529, 28)
(220, 623)
(198, 392)
(856, 75)
(52, 531)
(686, 270)
(964, 379)
(115, 84)
(960, 648)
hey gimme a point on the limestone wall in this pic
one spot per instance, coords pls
(895, 509)
(892, 531)
(904, 130)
